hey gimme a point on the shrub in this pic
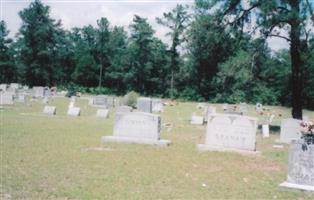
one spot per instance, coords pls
(130, 99)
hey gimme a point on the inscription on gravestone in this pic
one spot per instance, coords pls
(230, 132)
(300, 167)
(136, 127)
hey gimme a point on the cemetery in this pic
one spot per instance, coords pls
(157, 99)
(97, 155)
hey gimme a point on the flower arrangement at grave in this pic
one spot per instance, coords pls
(307, 131)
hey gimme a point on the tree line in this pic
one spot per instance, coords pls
(217, 52)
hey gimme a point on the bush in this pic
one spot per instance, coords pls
(130, 99)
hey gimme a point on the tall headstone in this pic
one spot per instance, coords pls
(38, 91)
(50, 110)
(137, 127)
(227, 132)
(144, 104)
(74, 111)
(289, 130)
(104, 113)
(300, 167)
(6, 98)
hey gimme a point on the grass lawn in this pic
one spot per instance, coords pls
(62, 157)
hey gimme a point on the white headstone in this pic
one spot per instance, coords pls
(197, 120)
(3, 87)
(265, 130)
(137, 127)
(74, 111)
(102, 113)
(157, 105)
(6, 98)
(144, 104)
(38, 91)
(230, 132)
(50, 110)
(300, 167)
(14, 86)
(289, 130)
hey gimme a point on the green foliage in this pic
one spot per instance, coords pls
(130, 99)
(8, 71)
(38, 40)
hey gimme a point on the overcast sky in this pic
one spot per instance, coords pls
(77, 13)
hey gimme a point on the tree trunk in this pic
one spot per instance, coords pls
(100, 75)
(296, 63)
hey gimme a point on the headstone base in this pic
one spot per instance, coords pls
(297, 186)
(204, 147)
(161, 143)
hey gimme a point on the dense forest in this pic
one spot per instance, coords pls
(217, 52)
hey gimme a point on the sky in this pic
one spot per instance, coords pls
(78, 13)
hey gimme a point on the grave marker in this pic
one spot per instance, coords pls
(227, 132)
(50, 110)
(300, 167)
(289, 130)
(102, 113)
(144, 104)
(137, 127)
(74, 111)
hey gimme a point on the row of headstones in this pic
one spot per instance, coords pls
(144, 104)
(224, 132)
(16, 93)
(74, 111)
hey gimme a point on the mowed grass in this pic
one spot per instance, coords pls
(62, 157)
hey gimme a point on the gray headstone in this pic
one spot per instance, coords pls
(38, 91)
(230, 132)
(6, 98)
(144, 104)
(74, 111)
(137, 127)
(124, 109)
(300, 167)
(102, 113)
(104, 100)
(45, 100)
(289, 130)
(3, 87)
(50, 110)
